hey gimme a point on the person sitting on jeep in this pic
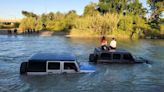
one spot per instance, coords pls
(104, 43)
(113, 44)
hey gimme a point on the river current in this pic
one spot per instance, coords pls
(107, 78)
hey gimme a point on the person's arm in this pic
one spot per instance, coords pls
(106, 42)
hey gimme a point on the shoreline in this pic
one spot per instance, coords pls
(66, 34)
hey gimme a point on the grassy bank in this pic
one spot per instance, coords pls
(90, 34)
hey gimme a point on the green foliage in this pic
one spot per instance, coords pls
(108, 23)
(162, 29)
(153, 33)
(136, 8)
(103, 7)
(90, 9)
(38, 25)
(82, 23)
(29, 14)
(156, 6)
(55, 26)
(30, 23)
(140, 23)
(120, 18)
(44, 18)
(133, 24)
(155, 20)
(126, 23)
(116, 6)
(1, 26)
(99, 24)
(16, 25)
(70, 17)
(9, 26)
(120, 6)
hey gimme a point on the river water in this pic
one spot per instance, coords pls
(107, 78)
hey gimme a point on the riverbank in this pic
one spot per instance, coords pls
(40, 33)
(116, 34)
(61, 33)
(52, 33)
(73, 34)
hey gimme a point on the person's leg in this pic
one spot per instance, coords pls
(102, 47)
(112, 48)
(106, 47)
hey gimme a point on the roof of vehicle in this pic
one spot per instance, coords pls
(53, 57)
(119, 51)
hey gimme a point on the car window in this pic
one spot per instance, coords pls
(37, 66)
(106, 56)
(68, 66)
(116, 56)
(127, 57)
(53, 65)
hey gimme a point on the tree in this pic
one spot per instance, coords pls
(29, 14)
(1, 26)
(16, 25)
(136, 8)
(71, 14)
(120, 6)
(116, 6)
(38, 25)
(90, 9)
(69, 19)
(51, 16)
(156, 6)
(23, 25)
(99, 24)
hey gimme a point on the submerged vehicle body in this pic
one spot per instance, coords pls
(52, 63)
(114, 56)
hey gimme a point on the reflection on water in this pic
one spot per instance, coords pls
(107, 78)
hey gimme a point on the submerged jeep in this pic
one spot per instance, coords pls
(52, 63)
(114, 56)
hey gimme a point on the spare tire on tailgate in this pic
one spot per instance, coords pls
(92, 58)
(23, 68)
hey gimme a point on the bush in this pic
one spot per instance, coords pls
(162, 29)
(125, 23)
(30, 23)
(1, 26)
(55, 26)
(16, 25)
(98, 24)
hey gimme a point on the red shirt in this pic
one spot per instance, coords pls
(104, 42)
